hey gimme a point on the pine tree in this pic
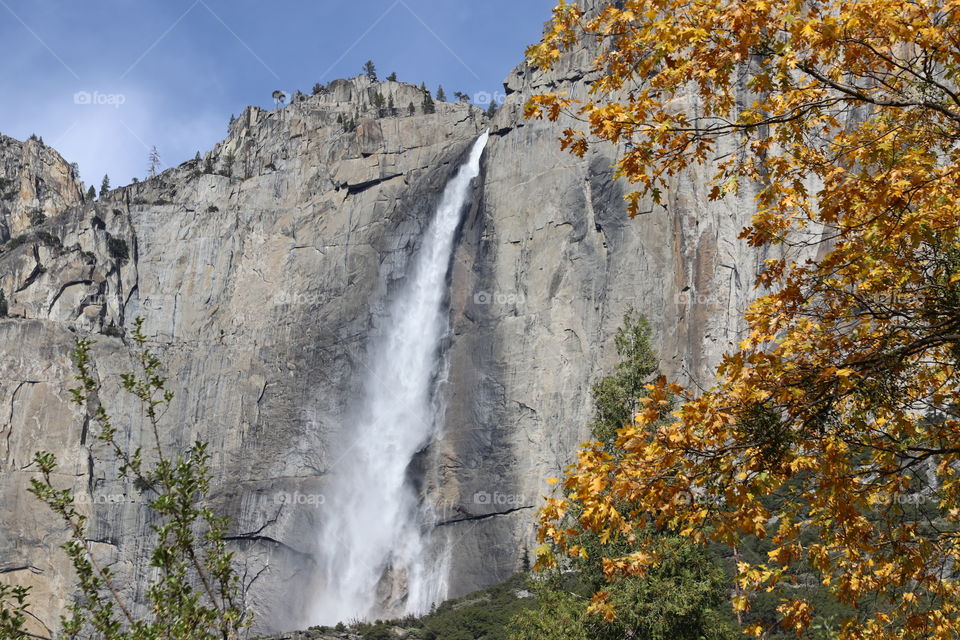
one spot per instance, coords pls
(412, 110)
(317, 89)
(154, 162)
(392, 77)
(492, 108)
(441, 96)
(228, 164)
(105, 186)
(91, 193)
(391, 106)
(370, 70)
(428, 104)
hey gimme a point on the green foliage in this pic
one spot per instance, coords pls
(441, 96)
(91, 193)
(370, 70)
(13, 609)
(483, 614)
(16, 241)
(428, 104)
(118, 249)
(228, 162)
(392, 77)
(37, 217)
(492, 108)
(105, 186)
(197, 593)
(684, 597)
(317, 89)
(615, 396)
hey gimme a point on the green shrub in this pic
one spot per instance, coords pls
(118, 249)
(37, 217)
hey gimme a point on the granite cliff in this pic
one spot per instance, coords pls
(263, 270)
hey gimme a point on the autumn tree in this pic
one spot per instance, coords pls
(837, 411)
(684, 597)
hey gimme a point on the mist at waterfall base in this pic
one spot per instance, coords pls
(375, 554)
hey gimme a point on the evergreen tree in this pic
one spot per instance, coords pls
(428, 105)
(3, 305)
(391, 106)
(412, 110)
(492, 108)
(228, 164)
(105, 186)
(154, 162)
(370, 70)
(441, 96)
(317, 89)
(392, 77)
(683, 598)
(378, 102)
(91, 193)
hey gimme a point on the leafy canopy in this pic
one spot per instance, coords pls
(838, 406)
(196, 592)
(682, 598)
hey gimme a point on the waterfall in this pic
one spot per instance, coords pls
(374, 543)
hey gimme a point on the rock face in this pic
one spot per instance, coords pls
(34, 182)
(263, 270)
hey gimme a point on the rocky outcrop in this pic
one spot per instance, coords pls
(35, 182)
(263, 270)
(548, 265)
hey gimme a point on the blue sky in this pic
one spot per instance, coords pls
(103, 80)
